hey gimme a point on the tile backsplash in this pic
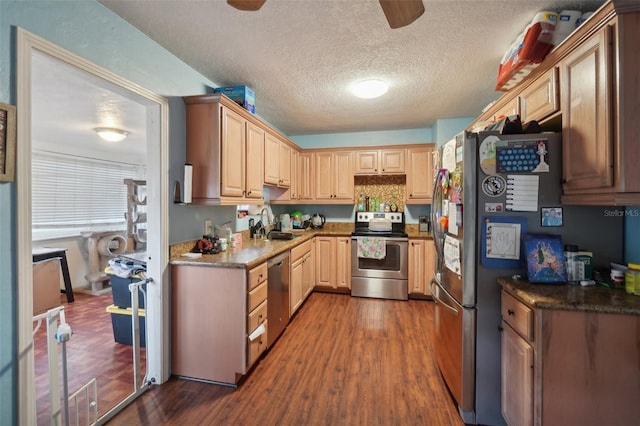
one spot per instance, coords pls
(389, 189)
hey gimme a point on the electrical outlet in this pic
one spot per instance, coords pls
(207, 227)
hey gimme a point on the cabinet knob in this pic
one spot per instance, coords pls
(410, 195)
(383, 170)
(249, 192)
(510, 312)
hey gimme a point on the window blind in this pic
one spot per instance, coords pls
(71, 194)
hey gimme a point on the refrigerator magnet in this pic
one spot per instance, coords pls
(487, 154)
(500, 241)
(494, 186)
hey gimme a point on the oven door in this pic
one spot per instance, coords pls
(393, 266)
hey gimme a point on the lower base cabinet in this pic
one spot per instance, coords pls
(569, 367)
(302, 275)
(333, 263)
(421, 263)
(213, 313)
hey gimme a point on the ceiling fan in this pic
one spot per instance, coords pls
(399, 13)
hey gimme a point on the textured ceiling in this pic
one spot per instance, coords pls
(300, 55)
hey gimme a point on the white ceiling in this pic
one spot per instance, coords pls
(300, 55)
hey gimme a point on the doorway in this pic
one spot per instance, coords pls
(155, 129)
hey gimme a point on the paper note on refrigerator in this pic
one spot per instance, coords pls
(452, 254)
(522, 193)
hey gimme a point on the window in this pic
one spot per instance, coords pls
(72, 194)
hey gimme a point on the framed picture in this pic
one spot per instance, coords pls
(545, 258)
(551, 216)
(7, 142)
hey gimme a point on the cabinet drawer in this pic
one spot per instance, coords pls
(517, 315)
(257, 316)
(257, 275)
(257, 296)
(256, 347)
(300, 250)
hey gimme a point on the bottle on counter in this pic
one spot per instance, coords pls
(571, 254)
(367, 203)
(361, 203)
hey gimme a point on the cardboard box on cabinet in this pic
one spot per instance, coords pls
(46, 285)
(242, 95)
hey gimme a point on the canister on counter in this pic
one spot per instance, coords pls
(632, 279)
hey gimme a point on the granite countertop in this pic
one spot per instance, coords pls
(572, 297)
(253, 252)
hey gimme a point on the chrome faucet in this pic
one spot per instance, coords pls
(265, 210)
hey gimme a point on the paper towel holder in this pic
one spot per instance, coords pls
(178, 196)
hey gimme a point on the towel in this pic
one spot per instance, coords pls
(371, 247)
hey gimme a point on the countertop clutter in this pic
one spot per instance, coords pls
(570, 297)
(253, 252)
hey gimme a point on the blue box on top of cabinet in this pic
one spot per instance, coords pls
(242, 95)
(121, 323)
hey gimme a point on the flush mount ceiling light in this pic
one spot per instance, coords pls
(369, 89)
(111, 134)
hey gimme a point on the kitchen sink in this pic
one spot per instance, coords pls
(279, 235)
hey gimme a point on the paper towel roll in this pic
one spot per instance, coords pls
(188, 179)
(259, 331)
(567, 21)
(583, 18)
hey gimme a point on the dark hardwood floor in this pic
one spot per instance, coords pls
(91, 352)
(342, 361)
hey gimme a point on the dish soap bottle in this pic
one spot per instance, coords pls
(361, 205)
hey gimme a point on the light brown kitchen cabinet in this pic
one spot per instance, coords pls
(294, 190)
(277, 161)
(421, 265)
(254, 161)
(419, 175)
(380, 162)
(587, 135)
(305, 176)
(541, 99)
(333, 263)
(213, 312)
(334, 176)
(568, 366)
(218, 131)
(302, 272)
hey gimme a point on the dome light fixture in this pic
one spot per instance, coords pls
(111, 134)
(369, 89)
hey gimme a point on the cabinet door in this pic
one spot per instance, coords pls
(542, 98)
(587, 140)
(308, 272)
(324, 169)
(419, 175)
(366, 163)
(305, 176)
(325, 261)
(271, 159)
(516, 378)
(294, 187)
(430, 258)
(255, 161)
(343, 176)
(233, 154)
(295, 289)
(284, 165)
(392, 161)
(417, 266)
(343, 262)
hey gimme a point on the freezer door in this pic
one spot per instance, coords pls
(454, 346)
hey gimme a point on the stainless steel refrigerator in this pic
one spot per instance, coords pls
(489, 191)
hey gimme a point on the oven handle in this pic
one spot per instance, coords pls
(433, 286)
(386, 239)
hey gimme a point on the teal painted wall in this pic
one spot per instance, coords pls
(386, 137)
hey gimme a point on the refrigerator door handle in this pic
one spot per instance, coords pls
(435, 221)
(436, 297)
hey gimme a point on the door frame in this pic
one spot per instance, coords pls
(157, 347)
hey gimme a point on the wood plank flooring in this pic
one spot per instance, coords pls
(91, 352)
(342, 361)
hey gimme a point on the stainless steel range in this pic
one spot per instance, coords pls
(379, 256)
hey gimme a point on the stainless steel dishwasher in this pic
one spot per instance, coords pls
(277, 296)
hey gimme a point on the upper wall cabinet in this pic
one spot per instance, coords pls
(595, 73)
(380, 162)
(277, 161)
(420, 175)
(334, 176)
(218, 131)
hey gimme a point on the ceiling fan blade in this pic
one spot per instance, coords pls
(401, 13)
(250, 5)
